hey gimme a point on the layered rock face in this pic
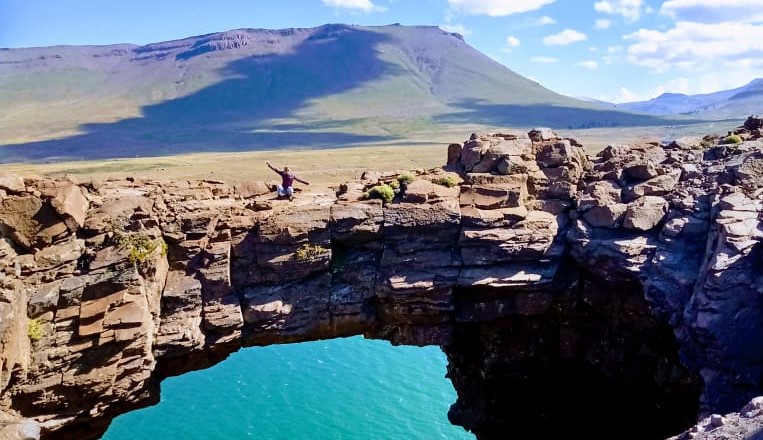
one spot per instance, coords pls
(556, 283)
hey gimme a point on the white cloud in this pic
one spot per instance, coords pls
(675, 85)
(613, 55)
(695, 46)
(497, 8)
(629, 9)
(545, 20)
(623, 95)
(564, 37)
(588, 64)
(457, 28)
(727, 79)
(512, 41)
(363, 5)
(603, 23)
(544, 60)
(714, 11)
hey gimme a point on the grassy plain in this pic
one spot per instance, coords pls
(331, 166)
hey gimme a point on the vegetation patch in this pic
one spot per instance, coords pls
(34, 330)
(140, 246)
(383, 192)
(310, 252)
(447, 181)
(733, 139)
(405, 178)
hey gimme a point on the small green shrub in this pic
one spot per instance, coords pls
(448, 181)
(405, 178)
(395, 184)
(309, 252)
(34, 330)
(140, 246)
(384, 192)
(733, 139)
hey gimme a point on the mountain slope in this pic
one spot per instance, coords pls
(734, 103)
(260, 89)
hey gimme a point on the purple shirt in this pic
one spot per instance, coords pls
(287, 179)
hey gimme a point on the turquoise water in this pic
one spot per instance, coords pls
(338, 389)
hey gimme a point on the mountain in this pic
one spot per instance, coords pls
(251, 89)
(726, 104)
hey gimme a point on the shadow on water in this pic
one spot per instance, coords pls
(552, 115)
(233, 115)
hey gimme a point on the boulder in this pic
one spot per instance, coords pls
(16, 428)
(750, 173)
(645, 213)
(418, 191)
(43, 299)
(613, 152)
(511, 165)
(454, 154)
(481, 154)
(57, 255)
(12, 183)
(71, 205)
(754, 122)
(501, 150)
(30, 222)
(542, 134)
(492, 218)
(601, 193)
(471, 154)
(658, 186)
(554, 155)
(491, 197)
(512, 180)
(247, 190)
(690, 171)
(641, 171)
(606, 216)
(686, 143)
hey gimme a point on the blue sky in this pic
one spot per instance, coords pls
(616, 50)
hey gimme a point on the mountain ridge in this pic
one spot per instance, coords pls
(326, 86)
(731, 103)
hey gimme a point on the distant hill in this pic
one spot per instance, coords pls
(735, 103)
(262, 89)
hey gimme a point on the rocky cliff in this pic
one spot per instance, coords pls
(625, 285)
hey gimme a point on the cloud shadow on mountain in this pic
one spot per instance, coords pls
(234, 114)
(554, 116)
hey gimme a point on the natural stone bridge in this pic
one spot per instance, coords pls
(625, 287)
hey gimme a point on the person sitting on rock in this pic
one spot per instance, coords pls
(285, 189)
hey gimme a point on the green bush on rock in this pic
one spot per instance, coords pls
(383, 192)
(733, 139)
(448, 181)
(140, 246)
(34, 330)
(405, 178)
(309, 252)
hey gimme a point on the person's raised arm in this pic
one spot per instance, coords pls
(301, 181)
(272, 167)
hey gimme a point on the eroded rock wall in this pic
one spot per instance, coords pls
(636, 272)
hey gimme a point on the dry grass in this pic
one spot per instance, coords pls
(319, 167)
(329, 166)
